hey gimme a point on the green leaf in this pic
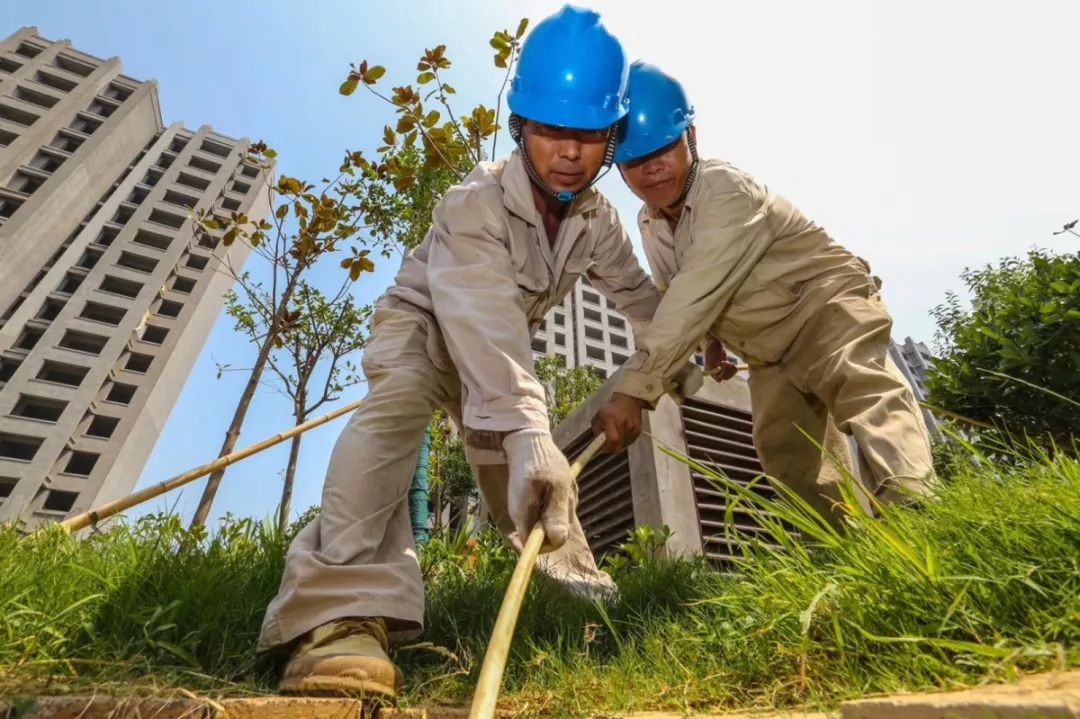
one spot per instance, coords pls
(425, 77)
(281, 211)
(448, 89)
(271, 153)
(372, 76)
(521, 28)
(349, 86)
(1048, 308)
(500, 61)
(498, 42)
(230, 236)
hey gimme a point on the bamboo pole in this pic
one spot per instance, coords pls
(80, 521)
(491, 672)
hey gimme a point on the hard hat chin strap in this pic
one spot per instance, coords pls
(693, 170)
(565, 196)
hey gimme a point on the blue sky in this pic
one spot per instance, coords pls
(924, 136)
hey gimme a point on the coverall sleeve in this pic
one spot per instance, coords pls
(480, 310)
(730, 234)
(619, 276)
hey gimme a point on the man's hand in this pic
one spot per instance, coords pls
(716, 359)
(620, 421)
(540, 488)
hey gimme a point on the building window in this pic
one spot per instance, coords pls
(17, 115)
(29, 338)
(34, 97)
(595, 353)
(70, 283)
(7, 368)
(181, 200)
(138, 195)
(46, 163)
(539, 345)
(43, 408)
(7, 486)
(123, 214)
(560, 319)
(240, 188)
(66, 142)
(108, 314)
(120, 393)
(49, 310)
(195, 183)
(61, 373)
(81, 463)
(27, 49)
(617, 323)
(66, 62)
(215, 148)
(88, 259)
(101, 108)
(168, 308)
(250, 171)
(197, 262)
(83, 342)
(592, 315)
(542, 327)
(59, 501)
(106, 236)
(618, 359)
(594, 334)
(591, 297)
(54, 81)
(183, 284)
(7, 137)
(139, 263)
(168, 219)
(152, 239)
(25, 182)
(118, 286)
(102, 426)
(117, 92)
(8, 206)
(177, 145)
(86, 124)
(19, 447)
(137, 362)
(618, 340)
(205, 165)
(560, 339)
(153, 175)
(9, 66)
(154, 335)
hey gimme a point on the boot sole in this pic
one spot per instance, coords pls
(330, 686)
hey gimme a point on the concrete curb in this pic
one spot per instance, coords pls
(1044, 696)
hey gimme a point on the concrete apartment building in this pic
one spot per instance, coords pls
(914, 360)
(106, 295)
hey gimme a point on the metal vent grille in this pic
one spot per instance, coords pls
(721, 438)
(605, 501)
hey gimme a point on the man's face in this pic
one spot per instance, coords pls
(566, 160)
(658, 179)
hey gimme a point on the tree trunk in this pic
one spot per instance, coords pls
(286, 491)
(233, 433)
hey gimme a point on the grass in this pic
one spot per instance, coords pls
(981, 584)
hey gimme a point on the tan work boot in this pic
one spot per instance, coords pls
(347, 656)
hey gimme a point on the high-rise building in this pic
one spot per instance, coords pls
(585, 329)
(106, 294)
(914, 360)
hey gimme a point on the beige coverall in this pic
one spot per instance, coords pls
(745, 266)
(454, 331)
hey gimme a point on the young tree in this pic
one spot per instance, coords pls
(565, 388)
(312, 362)
(307, 224)
(1012, 358)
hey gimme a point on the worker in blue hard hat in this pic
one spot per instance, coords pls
(454, 331)
(739, 264)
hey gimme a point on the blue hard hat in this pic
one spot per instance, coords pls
(659, 113)
(571, 73)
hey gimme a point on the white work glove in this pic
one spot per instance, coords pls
(540, 488)
(686, 382)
